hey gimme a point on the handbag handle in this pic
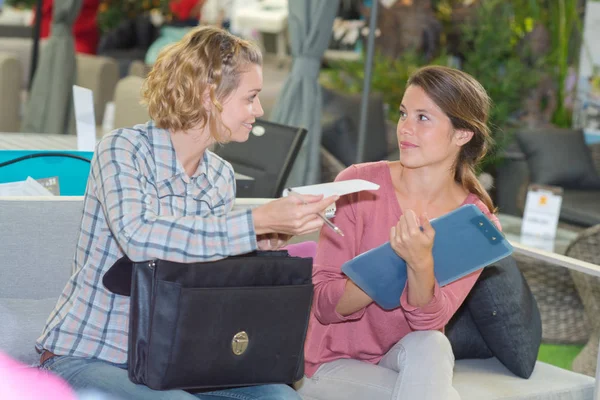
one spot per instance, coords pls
(119, 276)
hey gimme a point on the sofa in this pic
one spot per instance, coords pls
(36, 252)
(555, 157)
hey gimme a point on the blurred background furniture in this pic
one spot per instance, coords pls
(269, 173)
(10, 92)
(587, 247)
(128, 109)
(580, 207)
(340, 122)
(564, 320)
(100, 74)
(128, 42)
(267, 16)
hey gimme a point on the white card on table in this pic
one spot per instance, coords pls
(85, 119)
(540, 219)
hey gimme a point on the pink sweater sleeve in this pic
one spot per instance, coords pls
(333, 251)
(446, 300)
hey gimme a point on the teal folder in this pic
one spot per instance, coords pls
(71, 167)
(465, 241)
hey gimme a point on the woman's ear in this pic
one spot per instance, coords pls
(462, 136)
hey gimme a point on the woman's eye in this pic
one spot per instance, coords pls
(423, 118)
(251, 98)
(402, 115)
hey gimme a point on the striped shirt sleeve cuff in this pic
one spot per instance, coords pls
(240, 232)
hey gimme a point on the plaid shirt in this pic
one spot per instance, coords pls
(140, 202)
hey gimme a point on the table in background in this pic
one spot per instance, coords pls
(511, 227)
(46, 141)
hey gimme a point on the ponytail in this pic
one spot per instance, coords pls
(466, 176)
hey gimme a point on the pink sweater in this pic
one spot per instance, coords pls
(366, 219)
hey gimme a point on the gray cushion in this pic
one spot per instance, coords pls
(581, 207)
(505, 318)
(559, 157)
(22, 323)
(342, 140)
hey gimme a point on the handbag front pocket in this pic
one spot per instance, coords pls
(235, 336)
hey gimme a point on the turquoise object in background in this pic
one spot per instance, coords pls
(591, 136)
(72, 173)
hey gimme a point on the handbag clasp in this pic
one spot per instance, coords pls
(239, 343)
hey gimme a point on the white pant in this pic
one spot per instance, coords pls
(418, 367)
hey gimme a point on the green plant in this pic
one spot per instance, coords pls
(21, 3)
(389, 77)
(112, 12)
(563, 19)
(491, 55)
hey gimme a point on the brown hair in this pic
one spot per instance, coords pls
(467, 104)
(206, 57)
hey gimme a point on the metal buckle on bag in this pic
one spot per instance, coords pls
(239, 343)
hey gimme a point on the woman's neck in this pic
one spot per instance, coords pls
(190, 146)
(427, 185)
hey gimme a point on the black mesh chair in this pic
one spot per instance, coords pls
(267, 157)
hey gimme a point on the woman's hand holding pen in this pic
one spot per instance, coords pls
(412, 240)
(291, 215)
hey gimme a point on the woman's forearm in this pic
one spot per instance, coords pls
(421, 283)
(353, 299)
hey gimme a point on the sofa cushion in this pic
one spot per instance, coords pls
(559, 157)
(465, 338)
(490, 380)
(343, 110)
(505, 315)
(580, 207)
(22, 323)
(40, 245)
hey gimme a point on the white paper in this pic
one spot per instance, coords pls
(28, 187)
(335, 188)
(85, 119)
(540, 218)
(242, 177)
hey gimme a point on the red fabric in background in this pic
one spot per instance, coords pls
(182, 9)
(85, 28)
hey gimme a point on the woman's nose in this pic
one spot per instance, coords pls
(404, 127)
(258, 110)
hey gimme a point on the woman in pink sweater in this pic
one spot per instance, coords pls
(354, 348)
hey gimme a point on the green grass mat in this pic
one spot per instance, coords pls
(561, 355)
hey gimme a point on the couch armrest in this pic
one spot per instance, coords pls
(571, 264)
(100, 74)
(10, 92)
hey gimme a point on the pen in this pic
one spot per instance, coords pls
(327, 222)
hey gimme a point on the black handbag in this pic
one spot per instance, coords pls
(238, 321)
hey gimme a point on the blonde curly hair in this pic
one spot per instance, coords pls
(206, 58)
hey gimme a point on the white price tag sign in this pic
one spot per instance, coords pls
(540, 219)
